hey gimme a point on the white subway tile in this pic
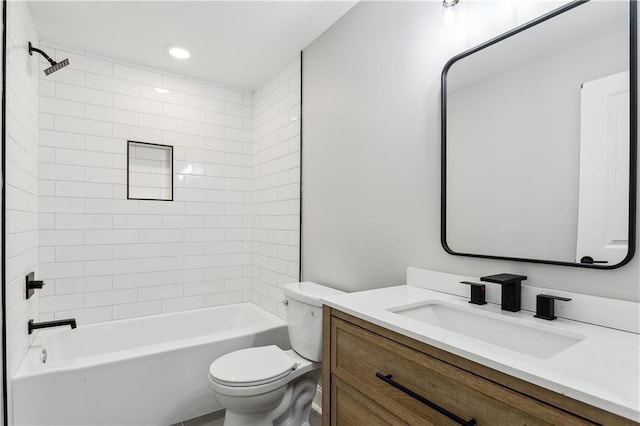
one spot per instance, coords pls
(161, 264)
(109, 84)
(105, 175)
(182, 304)
(138, 75)
(47, 88)
(207, 104)
(137, 221)
(160, 122)
(46, 122)
(173, 97)
(61, 205)
(50, 271)
(83, 94)
(183, 249)
(218, 299)
(89, 64)
(182, 112)
(61, 303)
(133, 310)
(109, 298)
(161, 236)
(83, 285)
(108, 236)
(61, 107)
(110, 267)
(206, 287)
(137, 104)
(83, 221)
(100, 206)
(82, 126)
(84, 252)
(146, 279)
(136, 251)
(110, 145)
(58, 139)
(225, 94)
(160, 292)
(203, 261)
(183, 222)
(111, 115)
(135, 133)
(183, 276)
(87, 316)
(59, 238)
(182, 85)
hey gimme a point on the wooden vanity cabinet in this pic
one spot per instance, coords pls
(374, 376)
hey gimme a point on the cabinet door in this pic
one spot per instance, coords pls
(350, 407)
(366, 359)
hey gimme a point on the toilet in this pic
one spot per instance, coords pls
(267, 385)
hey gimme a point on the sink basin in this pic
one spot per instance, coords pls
(531, 339)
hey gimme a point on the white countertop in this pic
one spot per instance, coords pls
(602, 370)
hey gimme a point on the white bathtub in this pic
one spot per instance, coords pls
(142, 371)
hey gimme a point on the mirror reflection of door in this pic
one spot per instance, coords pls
(603, 213)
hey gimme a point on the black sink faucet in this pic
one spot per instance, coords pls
(46, 324)
(511, 285)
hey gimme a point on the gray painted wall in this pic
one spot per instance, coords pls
(371, 149)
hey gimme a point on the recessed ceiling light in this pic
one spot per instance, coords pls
(161, 90)
(179, 52)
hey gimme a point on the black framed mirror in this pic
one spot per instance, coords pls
(539, 150)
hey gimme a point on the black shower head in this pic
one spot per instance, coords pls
(55, 66)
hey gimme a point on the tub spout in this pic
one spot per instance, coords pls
(46, 324)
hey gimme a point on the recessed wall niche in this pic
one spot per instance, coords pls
(149, 171)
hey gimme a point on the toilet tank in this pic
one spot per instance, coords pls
(304, 316)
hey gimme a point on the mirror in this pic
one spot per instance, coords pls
(539, 141)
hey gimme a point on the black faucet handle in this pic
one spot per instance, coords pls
(31, 284)
(478, 292)
(545, 306)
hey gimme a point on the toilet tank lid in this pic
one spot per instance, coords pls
(308, 292)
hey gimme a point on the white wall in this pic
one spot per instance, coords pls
(21, 182)
(371, 155)
(275, 230)
(106, 257)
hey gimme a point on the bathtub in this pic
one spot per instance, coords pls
(142, 371)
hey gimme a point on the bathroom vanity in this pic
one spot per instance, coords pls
(390, 368)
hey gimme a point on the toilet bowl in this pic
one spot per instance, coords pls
(258, 386)
(267, 385)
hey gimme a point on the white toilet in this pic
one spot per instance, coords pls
(270, 386)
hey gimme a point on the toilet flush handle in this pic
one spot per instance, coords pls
(285, 302)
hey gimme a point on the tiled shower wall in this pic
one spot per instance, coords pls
(21, 181)
(106, 257)
(276, 201)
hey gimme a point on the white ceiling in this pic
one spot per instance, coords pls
(236, 43)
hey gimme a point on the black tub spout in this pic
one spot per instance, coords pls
(46, 324)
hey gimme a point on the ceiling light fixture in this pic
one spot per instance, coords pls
(449, 3)
(179, 53)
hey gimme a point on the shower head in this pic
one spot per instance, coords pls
(55, 66)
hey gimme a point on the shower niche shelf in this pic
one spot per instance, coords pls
(149, 171)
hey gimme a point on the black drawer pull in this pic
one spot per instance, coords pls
(439, 409)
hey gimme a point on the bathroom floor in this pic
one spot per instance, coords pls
(217, 419)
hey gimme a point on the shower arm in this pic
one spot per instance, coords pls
(35, 49)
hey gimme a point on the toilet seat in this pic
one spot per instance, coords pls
(252, 367)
